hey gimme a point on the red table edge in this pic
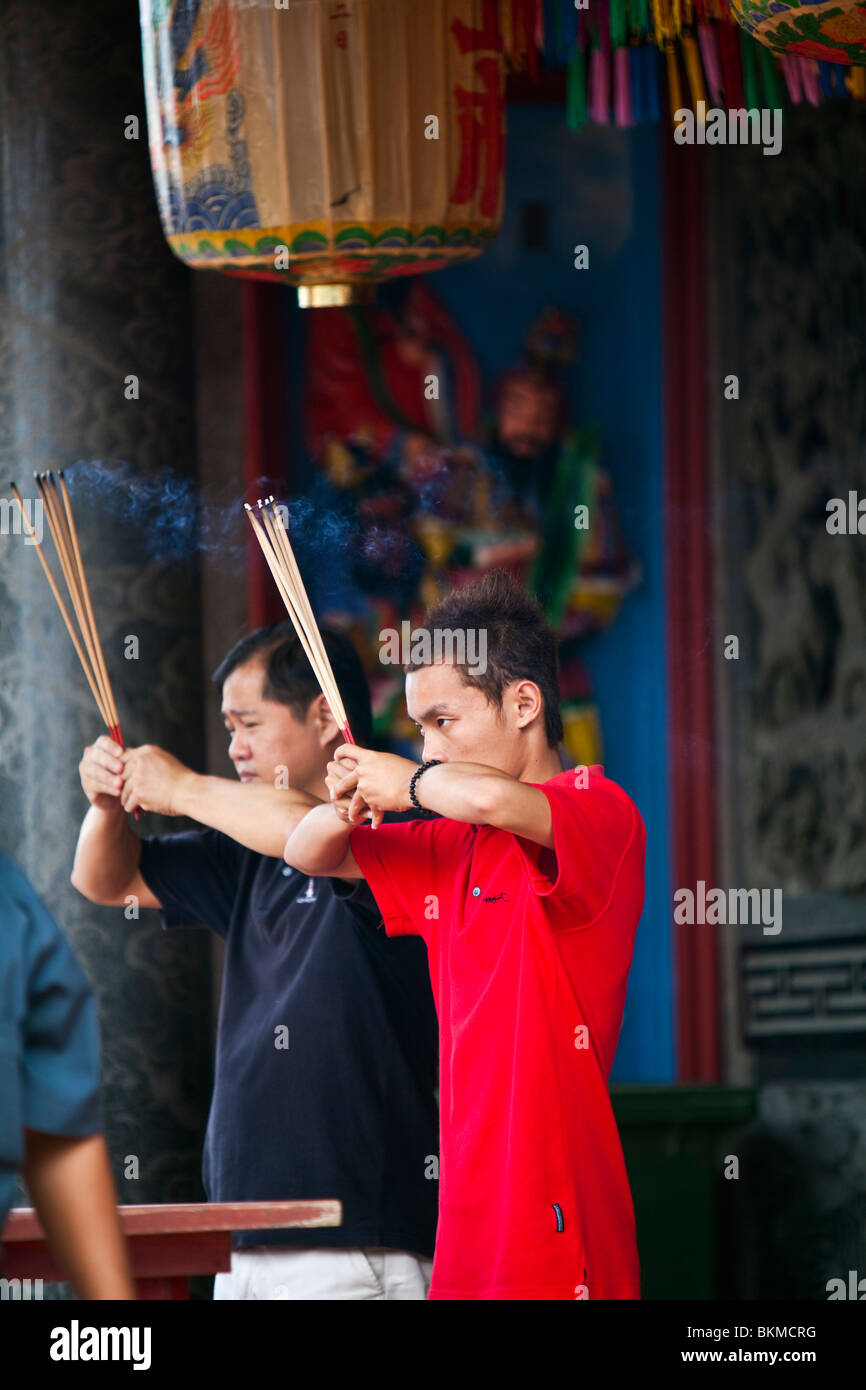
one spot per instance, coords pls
(177, 1218)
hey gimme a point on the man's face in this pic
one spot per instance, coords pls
(265, 736)
(459, 724)
(527, 418)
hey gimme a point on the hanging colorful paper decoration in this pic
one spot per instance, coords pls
(833, 30)
(329, 144)
(634, 61)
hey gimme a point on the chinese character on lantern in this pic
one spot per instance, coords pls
(338, 12)
(479, 114)
(486, 39)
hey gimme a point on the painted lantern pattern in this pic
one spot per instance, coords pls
(327, 142)
(831, 30)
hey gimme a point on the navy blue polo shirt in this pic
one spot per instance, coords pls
(326, 1050)
(49, 1034)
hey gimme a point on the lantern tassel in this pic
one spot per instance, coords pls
(555, 30)
(652, 67)
(638, 99)
(750, 71)
(811, 85)
(710, 55)
(599, 88)
(732, 75)
(540, 35)
(575, 102)
(826, 76)
(855, 81)
(622, 88)
(694, 72)
(618, 23)
(791, 74)
(772, 87)
(531, 23)
(675, 86)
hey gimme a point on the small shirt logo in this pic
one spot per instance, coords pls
(497, 898)
(309, 893)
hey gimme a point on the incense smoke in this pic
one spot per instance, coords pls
(168, 518)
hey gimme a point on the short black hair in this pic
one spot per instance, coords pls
(289, 677)
(520, 644)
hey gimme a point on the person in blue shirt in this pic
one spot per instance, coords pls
(50, 1115)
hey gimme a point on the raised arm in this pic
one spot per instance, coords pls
(319, 845)
(108, 852)
(107, 857)
(256, 814)
(485, 796)
(470, 792)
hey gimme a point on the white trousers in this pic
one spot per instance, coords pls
(269, 1272)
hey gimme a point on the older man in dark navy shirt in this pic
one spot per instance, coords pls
(325, 1068)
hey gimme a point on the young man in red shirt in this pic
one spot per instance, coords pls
(527, 889)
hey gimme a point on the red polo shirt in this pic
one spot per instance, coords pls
(529, 953)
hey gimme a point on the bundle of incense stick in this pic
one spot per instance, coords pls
(57, 510)
(267, 522)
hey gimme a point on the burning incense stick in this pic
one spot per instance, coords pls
(57, 508)
(267, 523)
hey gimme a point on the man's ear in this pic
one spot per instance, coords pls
(527, 702)
(325, 724)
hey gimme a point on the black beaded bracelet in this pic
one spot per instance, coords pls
(413, 796)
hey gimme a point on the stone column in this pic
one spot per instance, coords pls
(792, 268)
(90, 295)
